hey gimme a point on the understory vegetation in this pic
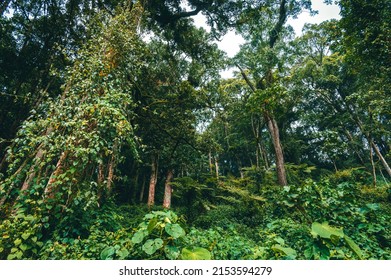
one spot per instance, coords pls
(120, 139)
(338, 216)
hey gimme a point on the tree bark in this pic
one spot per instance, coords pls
(372, 143)
(373, 166)
(4, 198)
(210, 162)
(50, 189)
(382, 159)
(141, 198)
(152, 182)
(31, 172)
(110, 175)
(275, 134)
(168, 189)
(349, 135)
(133, 197)
(101, 174)
(216, 167)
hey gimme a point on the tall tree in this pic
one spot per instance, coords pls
(261, 57)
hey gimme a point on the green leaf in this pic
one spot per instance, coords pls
(175, 230)
(26, 235)
(122, 253)
(279, 240)
(373, 206)
(195, 253)
(19, 255)
(325, 231)
(151, 246)
(160, 213)
(354, 247)
(107, 253)
(17, 242)
(23, 247)
(139, 236)
(172, 252)
(309, 253)
(151, 225)
(149, 216)
(287, 251)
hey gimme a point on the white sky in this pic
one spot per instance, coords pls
(231, 42)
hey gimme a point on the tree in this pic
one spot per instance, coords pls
(68, 151)
(261, 56)
(366, 40)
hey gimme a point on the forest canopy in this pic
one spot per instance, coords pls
(119, 139)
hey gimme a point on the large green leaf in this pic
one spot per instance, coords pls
(151, 225)
(325, 231)
(354, 247)
(107, 253)
(195, 253)
(172, 252)
(122, 253)
(287, 251)
(139, 236)
(175, 230)
(152, 245)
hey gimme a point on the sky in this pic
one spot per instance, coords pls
(231, 42)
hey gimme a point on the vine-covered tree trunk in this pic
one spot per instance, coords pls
(110, 176)
(168, 189)
(50, 190)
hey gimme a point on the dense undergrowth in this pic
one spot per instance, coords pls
(336, 217)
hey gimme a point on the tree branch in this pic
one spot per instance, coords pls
(245, 77)
(274, 34)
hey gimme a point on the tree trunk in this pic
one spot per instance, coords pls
(142, 191)
(168, 189)
(152, 182)
(210, 162)
(264, 155)
(133, 197)
(3, 162)
(274, 132)
(4, 198)
(101, 174)
(216, 167)
(382, 159)
(349, 135)
(50, 189)
(373, 166)
(239, 163)
(372, 143)
(110, 175)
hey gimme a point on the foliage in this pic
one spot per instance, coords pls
(21, 236)
(223, 244)
(159, 236)
(103, 103)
